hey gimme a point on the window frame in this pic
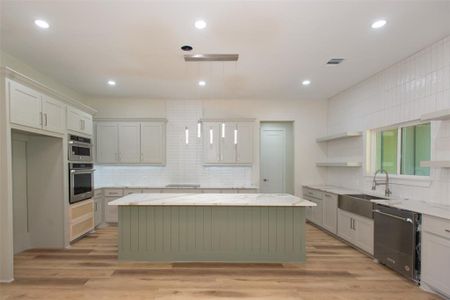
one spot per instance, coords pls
(372, 151)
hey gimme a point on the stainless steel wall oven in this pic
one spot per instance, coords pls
(81, 181)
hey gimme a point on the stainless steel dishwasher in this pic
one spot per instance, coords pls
(397, 240)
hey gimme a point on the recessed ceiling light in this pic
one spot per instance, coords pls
(202, 83)
(111, 82)
(306, 82)
(41, 23)
(378, 24)
(200, 24)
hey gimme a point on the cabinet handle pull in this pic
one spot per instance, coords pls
(46, 120)
(42, 118)
(447, 230)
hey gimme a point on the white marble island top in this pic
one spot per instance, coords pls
(156, 199)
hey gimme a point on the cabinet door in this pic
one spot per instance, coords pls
(227, 143)
(129, 142)
(317, 212)
(53, 114)
(211, 147)
(25, 105)
(345, 226)
(244, 143)
(330, 204)
(107, 143)
(74, 122)
(436, 262)
(98, 211)
(111, 212)
(153, 143)
(363, 233)
(86, 124)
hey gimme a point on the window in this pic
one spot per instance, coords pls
(400, 150)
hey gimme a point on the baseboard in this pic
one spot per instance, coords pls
(6, 281)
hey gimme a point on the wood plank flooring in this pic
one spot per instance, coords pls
(90, 270)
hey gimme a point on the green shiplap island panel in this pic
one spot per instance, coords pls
(212, 233)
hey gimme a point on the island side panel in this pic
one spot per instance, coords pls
(212, 233)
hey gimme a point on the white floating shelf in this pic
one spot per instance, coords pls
(441, 115)
(339, 164)
(435, 163)
(339, 136)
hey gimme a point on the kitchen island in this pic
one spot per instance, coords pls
(212, 227)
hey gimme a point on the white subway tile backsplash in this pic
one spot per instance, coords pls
(401, 93)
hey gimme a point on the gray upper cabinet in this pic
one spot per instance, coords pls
(33, 109)
(131, 142)
(227, 143)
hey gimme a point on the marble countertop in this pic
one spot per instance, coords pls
(426, 208)
(145, 199)
(166, 187)
(333, 189)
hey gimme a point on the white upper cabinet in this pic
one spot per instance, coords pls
(54, 113)
(211, 142)
(129, 142)
(228, 142)
(107, 143)
(33, 109)
(25, 105)
(153, 143)
(79, 121)
(244, 142)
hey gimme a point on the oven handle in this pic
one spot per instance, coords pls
(82, 171)
(409, 220)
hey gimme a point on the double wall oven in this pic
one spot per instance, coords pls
(81, 169)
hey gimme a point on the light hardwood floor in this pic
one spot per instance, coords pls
(90, 270)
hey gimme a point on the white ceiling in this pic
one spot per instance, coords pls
(280, 43)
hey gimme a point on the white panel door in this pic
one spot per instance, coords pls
(273, 159)
(436, 262)
(25, 105)
(86, 124)
(363, 237)
(74, 122)
(227, 143)
(129, 142)
(153, 143)
(330, 205)
(211, 142)
(54, 114)
(345, 226)
(244, 143)
(107, 143)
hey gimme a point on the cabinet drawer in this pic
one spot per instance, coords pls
(113, 192)
(81, 209)
(78, 229)
(436, 226)
(329, 196)
(98, 193)
(312, 193)
(152, 191)
(132, 191)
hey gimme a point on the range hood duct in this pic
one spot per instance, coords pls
(210, 57)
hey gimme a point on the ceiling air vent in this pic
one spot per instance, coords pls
(335, 61)
(211, 57)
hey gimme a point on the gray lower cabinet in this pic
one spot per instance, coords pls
(356, 230)
(436, 255)
(330, 206)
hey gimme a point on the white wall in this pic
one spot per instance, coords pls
(416, 85)
(184, 164)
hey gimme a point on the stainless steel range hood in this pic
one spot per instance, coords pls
(210, 57)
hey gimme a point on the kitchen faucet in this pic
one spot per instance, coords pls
(375, 182)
